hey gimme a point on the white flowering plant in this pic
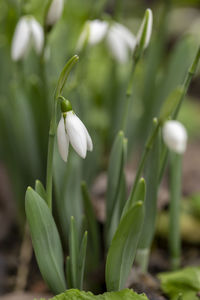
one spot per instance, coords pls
(90, 117)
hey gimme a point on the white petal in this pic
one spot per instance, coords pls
(63, 140)
(126, 35)
(54, 12)
(37, 35)
(175, 136)
(148, 15)
(98, 30)
(76, 133)
(117, 46)
(21, 39)
(88, 138)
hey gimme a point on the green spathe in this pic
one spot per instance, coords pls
(125, 294)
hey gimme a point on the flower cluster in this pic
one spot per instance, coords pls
(118, 38)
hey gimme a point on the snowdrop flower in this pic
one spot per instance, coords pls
(28, 33)
(71, 129)
(118, 38)
(145, 30)
(175, 136)
(54, 12)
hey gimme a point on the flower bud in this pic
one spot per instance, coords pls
(144, 33)
(175, 136)
(54, 12)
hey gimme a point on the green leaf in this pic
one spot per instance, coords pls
(68, 273)
(139, 194)
(39, 188)
(64, 74)
(185, 281)
(46, 241)
(123, 248)
(125, 294)
(81, 261)
(92, 224)
(171, 103)
(73, 250)
(116, 190)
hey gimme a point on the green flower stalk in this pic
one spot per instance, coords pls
(175, 137)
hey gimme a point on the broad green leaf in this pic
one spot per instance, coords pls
(92, 225)
(39, 188)
(126, 294)
(123, 248)
(46, 241)
(139, 194)
(185, 281)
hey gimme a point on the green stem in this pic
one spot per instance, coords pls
(174, 219)
(49, 173)
(186, 84)
(129, 91)
(146, 151)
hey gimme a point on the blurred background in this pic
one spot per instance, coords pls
(96, 89)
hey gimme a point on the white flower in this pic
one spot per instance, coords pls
(175, 136)
(119, 39)
(120, 42)
(74, 131)
(54, 12)
(28, 33)
(148, 21)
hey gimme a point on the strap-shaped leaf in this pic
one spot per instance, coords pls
(73, 249)
(81, 261)
(46, 241)
(39, 188)
(92, 225)
(116, 190)
(123, 248)
(139, 194)
(114, 170)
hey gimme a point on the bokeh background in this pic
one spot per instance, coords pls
(96, 89)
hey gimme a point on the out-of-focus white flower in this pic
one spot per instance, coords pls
(71, 129)
(175, 136)
(145, 29)
(54, 12)
(28, 33)
(119, 39)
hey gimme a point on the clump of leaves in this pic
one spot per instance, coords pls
(184, 282)
(75, 294)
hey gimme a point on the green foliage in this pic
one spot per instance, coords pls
(116, 191)
(46, 241)
(185, 281)
(123, 248)
(125, 294)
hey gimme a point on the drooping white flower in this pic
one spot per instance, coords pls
(145, 29)
(71, 129)
(175, 136)
(54, 12)
(28, 33)
(119, 39)
(93, 32)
